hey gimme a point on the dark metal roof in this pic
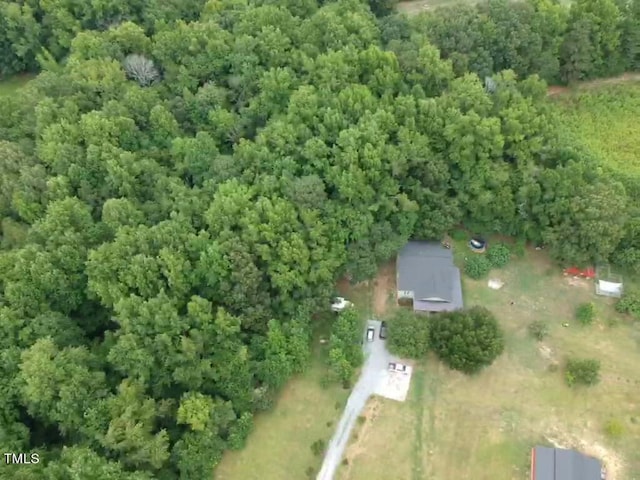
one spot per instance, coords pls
(427, 269)
(562, 464)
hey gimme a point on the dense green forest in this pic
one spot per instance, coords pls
(183, 183)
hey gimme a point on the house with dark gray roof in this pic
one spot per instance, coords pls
(562, 464)
(427, 276)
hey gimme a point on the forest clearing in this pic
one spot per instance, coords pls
(455, 426)
(12, 84)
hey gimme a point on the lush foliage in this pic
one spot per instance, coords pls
(467, 340)
(499, 255)
(629, 303)
(345, 345)
(564, 43)
(408, 334)
(586, 313)
(477, 266)
(184, 182)
(538, 329)
(582, 372)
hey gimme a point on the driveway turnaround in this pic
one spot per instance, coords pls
(376, 361)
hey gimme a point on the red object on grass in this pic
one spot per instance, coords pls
(576, 272)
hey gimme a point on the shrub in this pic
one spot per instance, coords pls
(629, 303)
(519, 247)
(239, 431)
(459, 235)
(538, 329)
(408, 334)
(499, 255)
(346, 335)
(582, 372)
(317, 447)
(614, 429)
(477, 267)
(586, 313)
(467, 340)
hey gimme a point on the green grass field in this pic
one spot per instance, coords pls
(11, 84)
(483, 427)
(605, 119)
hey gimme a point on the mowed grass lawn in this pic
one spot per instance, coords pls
(483, 427)
(605, 119)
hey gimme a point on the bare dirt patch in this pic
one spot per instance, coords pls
(545, 351)
(579, 282)
(384, 288)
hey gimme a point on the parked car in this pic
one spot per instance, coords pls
(371, 334)
(383, 330)
(397, 367)
(339, 304)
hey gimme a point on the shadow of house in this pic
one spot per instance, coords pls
(562, 464)
(427, 278)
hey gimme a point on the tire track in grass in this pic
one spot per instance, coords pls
(429, 397)
(418, 399)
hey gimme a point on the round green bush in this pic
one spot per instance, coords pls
(629, 303)
(586, 313)
(467, 340)
(408, 334)
(477, 267)
(499, 255)
(582, 372)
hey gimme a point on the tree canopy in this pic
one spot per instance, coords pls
(183, 183)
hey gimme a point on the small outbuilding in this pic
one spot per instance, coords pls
(427, 277)
(608, 284)
(563, 464)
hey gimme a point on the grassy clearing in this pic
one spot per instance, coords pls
(604, 118)
(11, 84)
(483, 427)
(417, 6)
(414, 7)
(280, 445)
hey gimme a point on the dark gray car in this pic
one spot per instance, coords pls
(383, 330)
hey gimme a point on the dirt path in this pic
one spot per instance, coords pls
(625, 78)
(384, 285)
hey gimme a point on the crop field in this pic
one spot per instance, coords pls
(483, 427)
(605, 118)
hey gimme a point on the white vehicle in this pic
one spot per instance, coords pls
(371, 334)
(339, 304)
(397, 367)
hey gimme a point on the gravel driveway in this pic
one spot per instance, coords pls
(376, 359)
